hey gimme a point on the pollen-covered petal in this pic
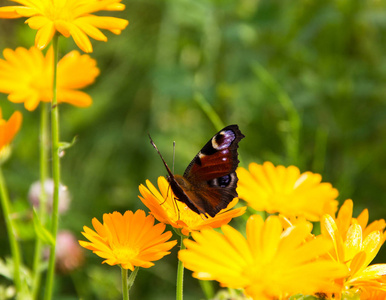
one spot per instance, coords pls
(330, 230)
(353, 243)
(371, 245)
(372, 272)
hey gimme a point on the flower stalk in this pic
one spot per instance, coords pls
(15, 250)
(128, 282)
(43, 147)
(55, 170)
(180, 274)
(125, 286)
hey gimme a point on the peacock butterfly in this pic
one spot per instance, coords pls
(209, 182)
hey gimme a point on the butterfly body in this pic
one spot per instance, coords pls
(209, 182)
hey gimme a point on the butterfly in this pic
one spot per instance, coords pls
(209, 182)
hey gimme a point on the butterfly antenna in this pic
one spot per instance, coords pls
(159, 153)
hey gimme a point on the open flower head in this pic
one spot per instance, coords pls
(68, 17)
(287, 191)
(26, 75)
(356, 245)
(168, 210)
(271, 263)
(128, 240)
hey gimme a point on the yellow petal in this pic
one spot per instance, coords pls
(37, 22)
(44, 35)
(371, 245)
(9, 12)
(81, 39)
(76, 98)
(90, 30)
(109, 23)
(363, 218)
(353, 243)
(343, 220)
(63, 27)
(329, 229)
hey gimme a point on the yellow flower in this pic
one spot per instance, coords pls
(176, 213)
(69, 18)
(284, 190)
(26, 75)
(372, 294)
(128, 240)
(356, 246)
(8, 129)
(271, 263)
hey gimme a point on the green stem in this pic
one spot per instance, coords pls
(55, 171)
(207, 288)
(127, 283)
(180, 275)
(132, 277)
(15, 250)
(125, 286)
(43, 145)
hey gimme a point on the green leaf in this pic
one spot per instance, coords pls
(66, 145)
(42, 233)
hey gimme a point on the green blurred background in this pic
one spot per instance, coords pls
(304, 80)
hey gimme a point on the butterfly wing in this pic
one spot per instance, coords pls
(211, 175)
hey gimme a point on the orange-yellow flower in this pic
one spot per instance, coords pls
(26, 75)
(68, 17)
(166, 209)
(356, 245)
(284, 190)
(271, 263)
(128, 240)
(8, 129)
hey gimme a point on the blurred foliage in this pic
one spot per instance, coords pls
(305, 81)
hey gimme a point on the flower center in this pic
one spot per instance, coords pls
(125, 253)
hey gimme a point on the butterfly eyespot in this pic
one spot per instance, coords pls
(223, 181)
(223, 140)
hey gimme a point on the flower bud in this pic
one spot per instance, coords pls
(34, 195)
(69, 255)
